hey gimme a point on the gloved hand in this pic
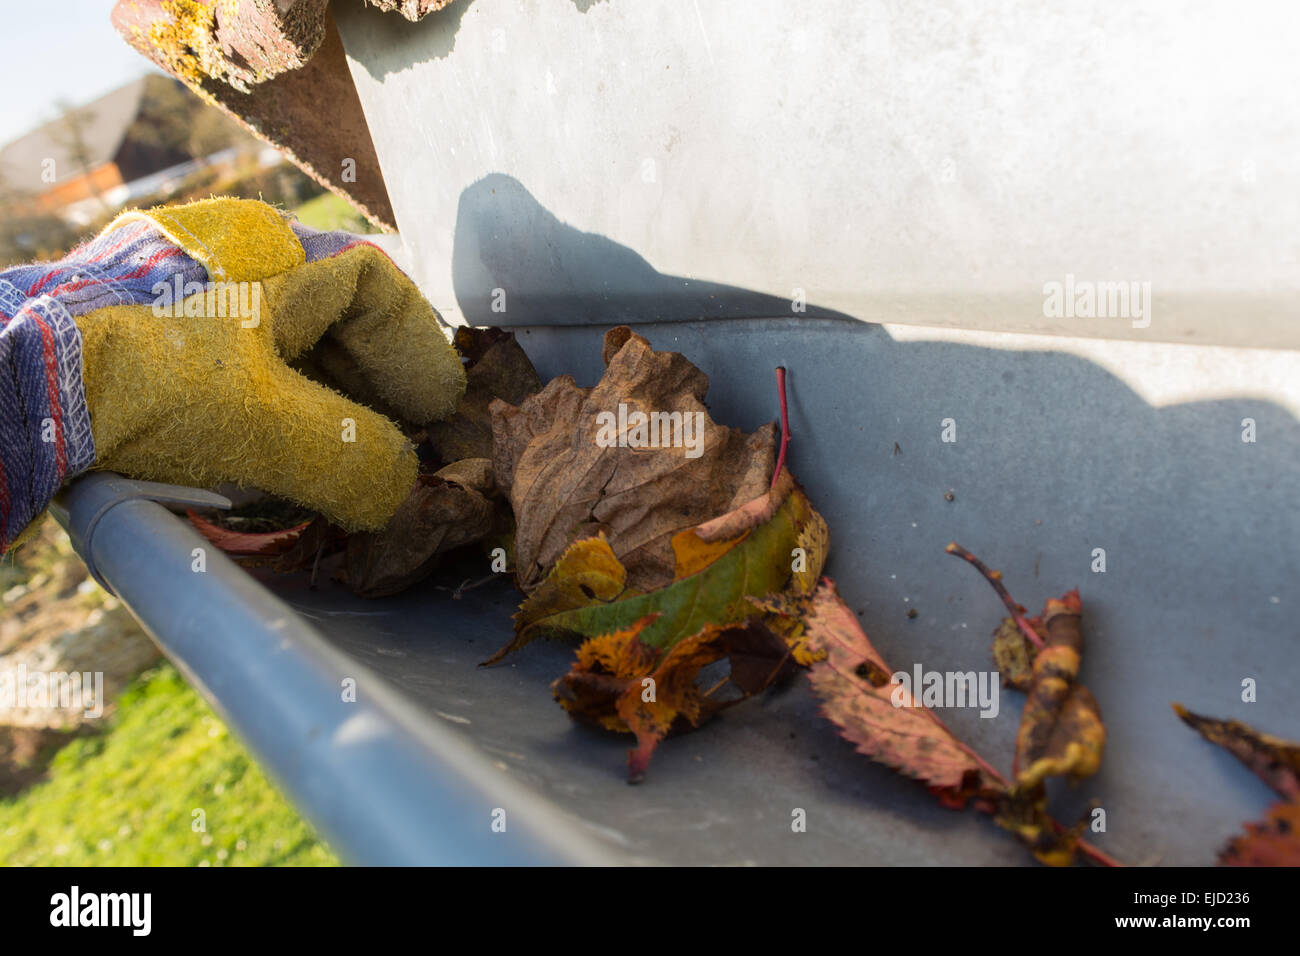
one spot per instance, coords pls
(162, 349)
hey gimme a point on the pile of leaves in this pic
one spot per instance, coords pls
(651, 556)
(689, 578)
(454, 511)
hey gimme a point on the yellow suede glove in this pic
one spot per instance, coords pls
(198, 390)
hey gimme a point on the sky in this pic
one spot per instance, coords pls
(59, 49)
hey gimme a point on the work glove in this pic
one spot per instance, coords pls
(189, 344)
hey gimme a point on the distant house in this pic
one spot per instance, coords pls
(128, 143)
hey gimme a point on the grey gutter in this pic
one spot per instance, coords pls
(383, 785)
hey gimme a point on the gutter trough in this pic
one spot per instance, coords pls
(1199, 531)
(382, 783)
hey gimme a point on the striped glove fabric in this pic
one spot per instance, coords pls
(162, 349)
(45, 433)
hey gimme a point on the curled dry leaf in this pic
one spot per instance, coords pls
(1274, 760)
(1061, 732)
(580, 462)
(446, 510)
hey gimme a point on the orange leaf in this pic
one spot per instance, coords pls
(243, 543)
(622, 683)
(1273, 842)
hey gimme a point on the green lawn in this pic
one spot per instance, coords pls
(128, 796)
(328, 212)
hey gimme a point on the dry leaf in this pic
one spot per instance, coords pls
(1061, 732)
(245, 544)
(564, 486)
(880, 717)
(885, 722)
(588, 592)
(621, 683)
(1274, 760)
(447, 510)
(1274, 842)
(495, 367)
(638, 668)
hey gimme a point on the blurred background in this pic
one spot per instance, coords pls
(91, 127)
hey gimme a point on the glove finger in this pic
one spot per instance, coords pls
(334, 367)
(287, 436)
(338, 457)
(361, 302)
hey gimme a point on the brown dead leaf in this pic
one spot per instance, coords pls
(246, 544)
(1274, 760)
(1276, 840)
(1061, 732)
(472, 473)
(495, 367)
(446, 510)
(564, 486)
(298, 548)
(1013, 655)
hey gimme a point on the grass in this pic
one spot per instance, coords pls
(328, 212)
(129, 796)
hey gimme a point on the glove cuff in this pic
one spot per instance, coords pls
(45, 434)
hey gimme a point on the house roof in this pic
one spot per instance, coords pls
(107, 121)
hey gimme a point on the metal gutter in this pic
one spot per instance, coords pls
(384, 785)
